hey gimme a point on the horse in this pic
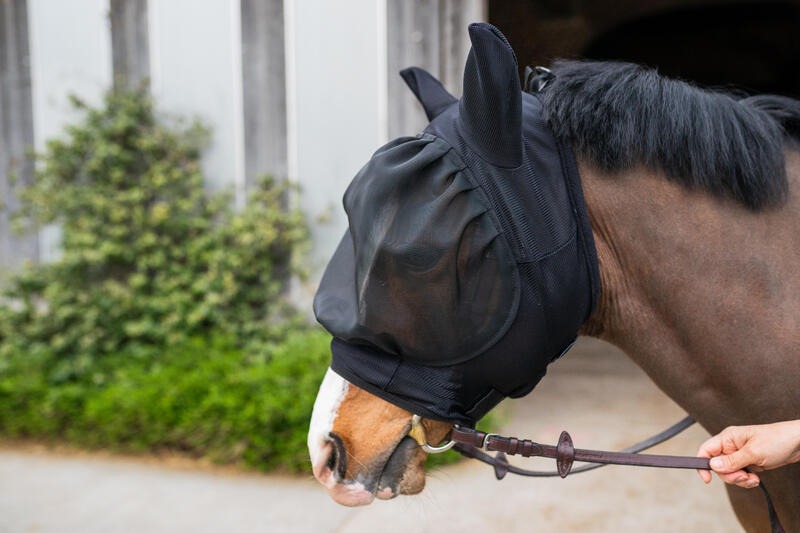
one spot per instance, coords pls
(693, 200)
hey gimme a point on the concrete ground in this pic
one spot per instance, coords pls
(595, 392)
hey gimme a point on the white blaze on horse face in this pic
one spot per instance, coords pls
(326, 408)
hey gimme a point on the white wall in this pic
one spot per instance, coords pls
(195, 69)
(336, 87)
(70, 53)
(336, 70)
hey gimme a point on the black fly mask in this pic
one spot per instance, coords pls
(469, 263)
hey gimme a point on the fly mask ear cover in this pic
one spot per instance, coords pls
(469, 264)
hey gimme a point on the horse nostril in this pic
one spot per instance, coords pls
(337, 461)
(331, 459)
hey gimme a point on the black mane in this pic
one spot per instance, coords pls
(619, 115)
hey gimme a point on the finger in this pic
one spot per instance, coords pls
(734, 478)
(710, 448)
(750, 481)
(730, 463)
(705, 475)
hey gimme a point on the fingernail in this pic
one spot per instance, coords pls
(716, 462)
(752, 483)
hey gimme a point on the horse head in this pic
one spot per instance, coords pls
(438, 291)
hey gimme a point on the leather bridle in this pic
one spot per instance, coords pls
(469, 443)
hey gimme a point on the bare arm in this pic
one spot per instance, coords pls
(756, 448)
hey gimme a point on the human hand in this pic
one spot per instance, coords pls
(757, 448)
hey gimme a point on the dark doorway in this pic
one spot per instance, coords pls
(753, 46)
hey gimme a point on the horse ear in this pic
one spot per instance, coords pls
(491, 106)
(428, 90)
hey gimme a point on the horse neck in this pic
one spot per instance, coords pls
(700, 293)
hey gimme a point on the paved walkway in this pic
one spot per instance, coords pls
(603, 400)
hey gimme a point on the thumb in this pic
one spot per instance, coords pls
(733, 462)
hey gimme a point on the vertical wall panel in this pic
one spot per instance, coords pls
(455, 17)
(264, 89)
(16, 127)
(70, 54)
(70, 48)
(431, 34)
(336, 76)
(413, 41)
(195, 70)
(129, 41)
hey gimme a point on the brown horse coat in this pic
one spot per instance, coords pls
(704, 295)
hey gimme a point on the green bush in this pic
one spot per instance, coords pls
(163, 324)
(149, 259)
(206, 398)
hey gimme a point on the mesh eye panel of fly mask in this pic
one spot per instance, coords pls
(469, 264)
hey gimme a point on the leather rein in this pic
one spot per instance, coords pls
(469, 443)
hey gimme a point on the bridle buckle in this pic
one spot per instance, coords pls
(486, 441)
